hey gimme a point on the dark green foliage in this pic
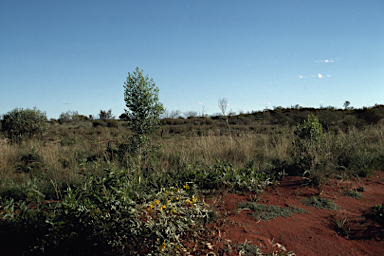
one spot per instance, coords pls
(68, 142)
(69, 116)
(29, 162)
(106, 214)
(309, 129)
(359, 160)
(99, 122)
(106, 115)
(304, 147)
(223, 174)
(329, 118)
(24, 123)
(124, 117)
(112, 123)
(377, 212)
(141, 97)
(370, 115)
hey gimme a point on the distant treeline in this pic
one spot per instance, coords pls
(328, 116)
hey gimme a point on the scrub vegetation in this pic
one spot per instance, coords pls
(80, 185)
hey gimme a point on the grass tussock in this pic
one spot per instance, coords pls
(267, 212)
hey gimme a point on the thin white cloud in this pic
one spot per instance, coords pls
(314, 76)
(67, 103)
(324, 61)
(201, 103)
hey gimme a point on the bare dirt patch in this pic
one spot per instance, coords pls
(345, 231)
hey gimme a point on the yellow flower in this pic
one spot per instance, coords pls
(194, 199)
(186, 186)
(166, 191)
(97, 210)
(162, 247)
(167, 202)
(157, 202)
(163, 207)
(188, 201)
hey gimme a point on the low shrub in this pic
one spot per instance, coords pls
(114, 213)
(320, 203)
(24, 123)
(99, 122)
(377, 212)
(267, 212)
(112, 123)
(309, 129)
(352, 193)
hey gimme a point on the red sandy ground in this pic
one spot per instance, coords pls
(310, 233)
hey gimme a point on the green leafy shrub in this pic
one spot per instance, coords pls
(377, 212)
(23, 123)
(305, 146)
(70, 117)
(116, 212)
(223, 174)
(309, 129)
(141, 97)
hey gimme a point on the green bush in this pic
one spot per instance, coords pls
(309, 129)
(305, 146)
(141, 97)
(378, 212)
(112, 123)
(24, 123)
(99, 122)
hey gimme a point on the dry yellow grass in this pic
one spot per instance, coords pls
(64, 151)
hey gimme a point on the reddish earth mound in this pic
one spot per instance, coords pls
(346, 231)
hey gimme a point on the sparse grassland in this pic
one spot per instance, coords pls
(77, 186)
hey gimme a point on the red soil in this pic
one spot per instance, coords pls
(312, 233)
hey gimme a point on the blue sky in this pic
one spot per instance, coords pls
(75, 55)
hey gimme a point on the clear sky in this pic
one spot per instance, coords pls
(75, 55)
